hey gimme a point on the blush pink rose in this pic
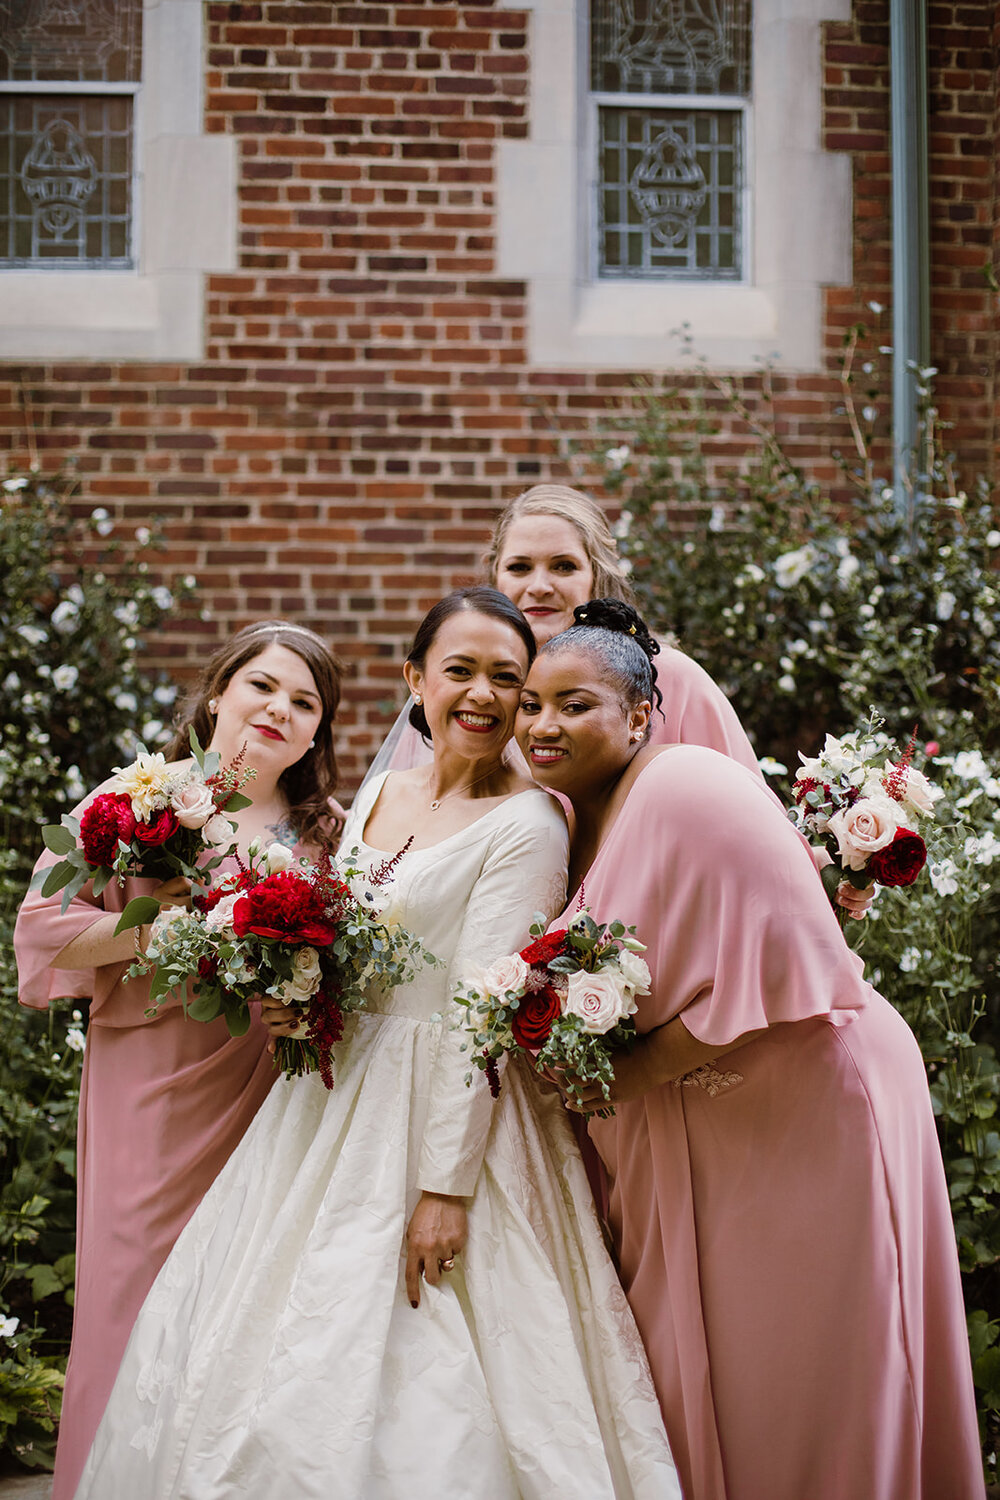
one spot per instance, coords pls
(193, 804)
(508, 973)
(865, 828)
(600, 1000)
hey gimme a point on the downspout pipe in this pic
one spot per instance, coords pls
(910, 237)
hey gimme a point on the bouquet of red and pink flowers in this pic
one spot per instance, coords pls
(308, 934)
(861, 798)
(566, 1001)
(156, 821)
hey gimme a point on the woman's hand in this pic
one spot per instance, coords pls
(174, 892)
(855, 902)
(633, 1077)
(436, 1233)
(281, 1020)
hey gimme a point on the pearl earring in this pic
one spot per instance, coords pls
(417, 699)
(312, 744)
(213, 705)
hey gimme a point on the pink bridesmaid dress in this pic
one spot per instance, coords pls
(780, 1215)
(163, 1102)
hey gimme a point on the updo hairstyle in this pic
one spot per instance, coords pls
(618, 636)
(587, 519)
(481, 600)
(311, 781)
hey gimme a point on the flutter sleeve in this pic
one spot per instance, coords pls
(739, 931)
(42, 930)
(696, 711)
(523, 872)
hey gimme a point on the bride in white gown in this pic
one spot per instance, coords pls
(287, 1347)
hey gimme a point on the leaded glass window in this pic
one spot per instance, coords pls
(69, 75)
(670, 87)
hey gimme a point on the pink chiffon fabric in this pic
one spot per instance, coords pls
(163, 1103)
(781, 1215)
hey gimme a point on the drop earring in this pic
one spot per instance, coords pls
(213, 705)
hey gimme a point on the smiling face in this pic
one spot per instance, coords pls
(573, 726)
(470, 683)
(273, 706)
(545, 570)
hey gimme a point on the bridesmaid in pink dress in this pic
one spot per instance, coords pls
(164, 1101)
(778, 1202)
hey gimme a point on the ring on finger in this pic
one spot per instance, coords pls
(447, 1265)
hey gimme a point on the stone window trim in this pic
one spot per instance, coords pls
(800, 223)
(185, 225)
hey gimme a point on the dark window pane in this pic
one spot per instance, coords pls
(65, 180)
(674, 193)
(670, 46)
(91, 40)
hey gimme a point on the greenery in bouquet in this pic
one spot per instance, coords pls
(310, 934)
(565, 1001)
(77, 598)
(155, 820)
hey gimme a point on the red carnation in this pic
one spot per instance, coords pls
(900, 862)
(536, 1014)
(108, 819)
(543, 950)
(164, 827)
(285, 906)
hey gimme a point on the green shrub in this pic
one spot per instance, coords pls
(74, 700)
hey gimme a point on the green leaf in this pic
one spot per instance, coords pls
(139, 911)
(57, 876)
(101, 878)
(58, 838)
(196, 749)
(206, 1008)
(238, 1019)
(235, 802)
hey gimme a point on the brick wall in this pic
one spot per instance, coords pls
(365, 402)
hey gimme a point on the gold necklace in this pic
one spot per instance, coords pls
(436, 803)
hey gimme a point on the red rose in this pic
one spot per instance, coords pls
(900, 862)
(108, 819)
(535, 1016)
(153, 834)
(208, 968)
(541, 952)
(285, 906)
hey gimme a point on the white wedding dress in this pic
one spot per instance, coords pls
(277, 1356)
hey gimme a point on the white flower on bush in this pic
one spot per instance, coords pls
(75, 1039)
(65, 616)
(9, 1326)
(218, 831)
(145, 782)
(771, 767)
(33, 634)
(11, 486)
(786, 683)
(65, 678)
(221, 916)
(164, 695)
(969, 765)
(600, 1000)
(717, 519)
(635, 972)
(993, 539)
(617, 458)
(509, 973)
(162, 597)
(193, 804)
(127, 613)
(944, 876)
(278, 857)
(865, 828)
(984, 849)
(305, 977)
(127, 702)
(143, 535)
(103, 523)
(790, 567)
(846, 569)
(945, 606)
(909, 960)
(74, 784)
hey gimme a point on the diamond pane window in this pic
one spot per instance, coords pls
(69, 73)
(670, 83)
